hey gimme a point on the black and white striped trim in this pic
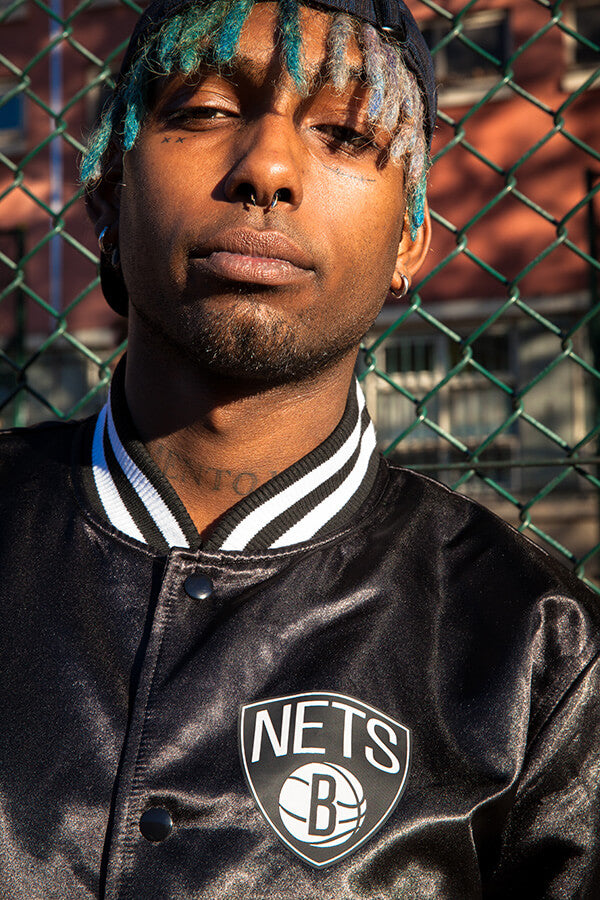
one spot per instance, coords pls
(130, 500)
(316, 496)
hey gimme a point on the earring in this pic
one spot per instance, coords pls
(111, 250)
(403, 291)
(103, 248)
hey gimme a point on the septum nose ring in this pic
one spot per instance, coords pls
(271, 205)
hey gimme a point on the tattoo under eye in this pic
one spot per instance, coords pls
(353, 177)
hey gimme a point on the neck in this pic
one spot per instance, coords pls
(218, 439)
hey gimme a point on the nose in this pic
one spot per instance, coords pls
(268, 164)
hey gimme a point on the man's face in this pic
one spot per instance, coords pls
(272, 294)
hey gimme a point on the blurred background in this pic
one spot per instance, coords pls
(487, 376)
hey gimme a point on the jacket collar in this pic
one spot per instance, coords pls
(313, 498)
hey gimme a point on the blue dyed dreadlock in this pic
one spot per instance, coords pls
(209, 35)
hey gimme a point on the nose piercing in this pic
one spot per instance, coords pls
(272, 204)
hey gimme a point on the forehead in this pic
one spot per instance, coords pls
(260, 40)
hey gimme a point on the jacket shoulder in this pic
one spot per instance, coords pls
(473, 538)
(37, 452)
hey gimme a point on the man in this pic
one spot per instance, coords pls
(243, 656)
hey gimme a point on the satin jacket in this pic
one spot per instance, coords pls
(424, 674)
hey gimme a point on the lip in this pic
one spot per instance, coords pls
(257, 257)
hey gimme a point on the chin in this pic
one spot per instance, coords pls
(251, 339)
(274, 359)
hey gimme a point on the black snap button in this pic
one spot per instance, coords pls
(198, 587)
(156, 824)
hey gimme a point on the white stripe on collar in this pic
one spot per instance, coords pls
(318, 517)
(156, 506)
(110, 498)
(326, 487)
(273, 508)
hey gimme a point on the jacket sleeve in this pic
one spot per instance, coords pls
(551, 843)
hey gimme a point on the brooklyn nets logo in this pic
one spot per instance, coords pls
(326, 770)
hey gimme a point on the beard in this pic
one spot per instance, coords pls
(257, 342)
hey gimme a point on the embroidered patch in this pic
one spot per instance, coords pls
(326, 770)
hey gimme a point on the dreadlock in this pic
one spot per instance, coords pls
(209, 35)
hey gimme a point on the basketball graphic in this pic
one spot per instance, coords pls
(322, 804)
(325, 792)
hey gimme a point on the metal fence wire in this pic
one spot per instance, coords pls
(488, 376)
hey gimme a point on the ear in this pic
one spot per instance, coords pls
(103, 199)
(411, 253)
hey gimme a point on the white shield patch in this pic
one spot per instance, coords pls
(326, 770)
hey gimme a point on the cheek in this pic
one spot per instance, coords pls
(366, 225)
(148, 195)
(155, 192)
(172, 188)
(148, 226)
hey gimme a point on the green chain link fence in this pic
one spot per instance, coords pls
(425, 360)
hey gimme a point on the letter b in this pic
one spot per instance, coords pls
(317, 802)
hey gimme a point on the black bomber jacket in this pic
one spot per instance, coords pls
(406, 705)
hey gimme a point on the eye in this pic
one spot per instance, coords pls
(199, 116)
(346, 138)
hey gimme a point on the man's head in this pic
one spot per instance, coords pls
(263, 131)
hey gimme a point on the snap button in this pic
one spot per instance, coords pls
(156, 824)
(198, 587)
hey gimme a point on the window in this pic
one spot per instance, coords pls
(469, 406)
(586, 18)
(490, 350)
(12, 118)
(410, 356)
(463, 73)
(456, 61)
(583, 17)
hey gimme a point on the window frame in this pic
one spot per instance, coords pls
(467, 89)
(13, 140)
(426, 447)
(576, 73)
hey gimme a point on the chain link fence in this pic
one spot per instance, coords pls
(488, 377)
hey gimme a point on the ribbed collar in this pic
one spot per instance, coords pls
(315, 497)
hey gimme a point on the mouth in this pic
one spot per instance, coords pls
(253, 257)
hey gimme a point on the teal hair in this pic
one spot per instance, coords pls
(227, 41)
(291, 36)
(417, 207)
(209, 35)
